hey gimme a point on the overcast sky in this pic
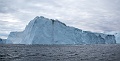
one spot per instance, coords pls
(90, 15)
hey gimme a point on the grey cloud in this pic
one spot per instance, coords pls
(91, 15)
(5, 7)
(9, 26)
(4, 35)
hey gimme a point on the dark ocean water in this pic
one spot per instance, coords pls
(98, 52)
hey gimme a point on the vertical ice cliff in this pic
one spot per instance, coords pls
(48, 31)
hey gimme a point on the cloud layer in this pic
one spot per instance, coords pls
(90, 15)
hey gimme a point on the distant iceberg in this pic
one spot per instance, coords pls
(2, 41)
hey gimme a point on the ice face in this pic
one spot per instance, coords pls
(42, 30)
(116, 34)
(2, 41)
(16, 38)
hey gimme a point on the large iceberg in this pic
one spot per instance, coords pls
(42, 30)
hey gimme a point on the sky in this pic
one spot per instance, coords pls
(89, 15)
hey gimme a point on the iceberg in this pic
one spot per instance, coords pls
(42, 30)
(2, 41)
